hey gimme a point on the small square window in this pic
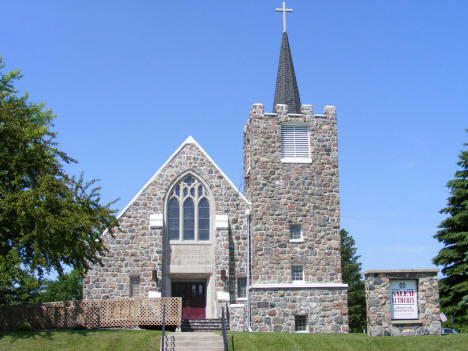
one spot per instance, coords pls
(300, 323)
(241, 287)
(297, 273)
(134, 286)
(295, 232)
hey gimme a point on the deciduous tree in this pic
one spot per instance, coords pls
(47, 218)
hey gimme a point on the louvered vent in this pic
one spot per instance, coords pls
(295, 143)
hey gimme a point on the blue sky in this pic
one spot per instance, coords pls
(130, 80)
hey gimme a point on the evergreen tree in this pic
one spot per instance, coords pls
(453, 233)
(17, 285)
(351, 271)
(47, 218)
(67, 287)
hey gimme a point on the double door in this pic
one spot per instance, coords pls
(193, 296)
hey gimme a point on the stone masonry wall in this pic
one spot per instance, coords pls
(293, 193)
(273, 310)
(379, 320)
(137, 249)
(238, 317)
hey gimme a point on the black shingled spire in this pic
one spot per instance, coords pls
(286, 91)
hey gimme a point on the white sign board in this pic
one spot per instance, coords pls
(153, 294)
(404, 299)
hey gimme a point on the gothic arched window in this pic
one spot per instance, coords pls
(188, 211)
(189, 220)
(173, 219)
(203, 220)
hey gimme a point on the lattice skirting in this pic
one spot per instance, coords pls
(92, 314)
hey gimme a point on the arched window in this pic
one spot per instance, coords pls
(188, 211)
(189, 220)
(173, 219)
(203, 220)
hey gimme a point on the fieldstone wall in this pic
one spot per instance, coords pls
(378, 295)
(136, 249)
(273, 310)
(293, 193)
(238, 317)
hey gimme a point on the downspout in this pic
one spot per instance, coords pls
(247, 212)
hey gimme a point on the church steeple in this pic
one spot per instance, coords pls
(286, 91)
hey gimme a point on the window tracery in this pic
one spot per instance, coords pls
(188, 211)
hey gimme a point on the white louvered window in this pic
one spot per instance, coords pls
(295, 145)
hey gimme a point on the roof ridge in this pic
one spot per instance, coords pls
(189, 140)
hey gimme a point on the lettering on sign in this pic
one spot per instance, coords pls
(404, 299)
(188, 255)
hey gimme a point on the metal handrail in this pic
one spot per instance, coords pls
(228, 317)
(163, 343)
(223, 321)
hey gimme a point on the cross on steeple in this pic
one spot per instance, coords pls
(286, 91)
(284, 10)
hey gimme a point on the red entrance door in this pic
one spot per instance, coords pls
(193, 298)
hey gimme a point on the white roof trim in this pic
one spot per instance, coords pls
(189, 140)
(299, 286)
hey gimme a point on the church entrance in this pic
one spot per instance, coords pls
(193, 298)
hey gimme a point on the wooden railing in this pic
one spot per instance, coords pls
(93, 314)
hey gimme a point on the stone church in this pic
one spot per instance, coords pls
(270, 253)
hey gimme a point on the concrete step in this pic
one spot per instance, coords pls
(195, 349)
(202, 319)
(202, 324)
(201, 341)
(194, 336)
(185, 346)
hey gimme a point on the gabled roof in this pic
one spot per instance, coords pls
(286, 91)
(189, 140)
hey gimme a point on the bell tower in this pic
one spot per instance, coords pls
(291, 179)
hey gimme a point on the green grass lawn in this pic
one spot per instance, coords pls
(89, 340)
(345, 342)
(116, 340)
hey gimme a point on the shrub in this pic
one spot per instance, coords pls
(23, 326)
